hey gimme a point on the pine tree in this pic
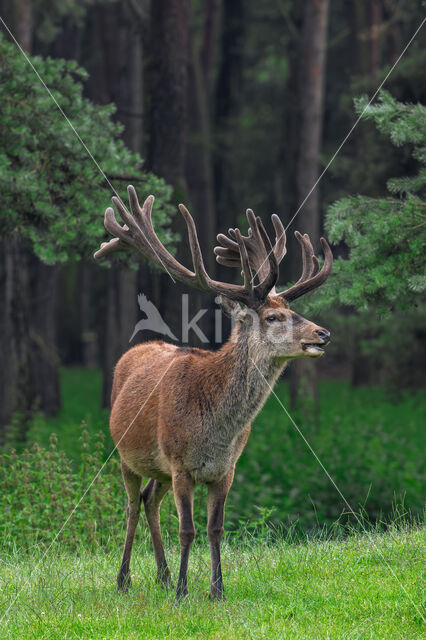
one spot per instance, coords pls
(385, 268)
(53, 200)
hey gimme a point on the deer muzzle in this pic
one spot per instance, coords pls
(313, 348)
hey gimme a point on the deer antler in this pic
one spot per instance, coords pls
(228, 253)
(312, 277)
(138, 233)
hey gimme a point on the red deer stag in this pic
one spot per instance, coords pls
(181, 416)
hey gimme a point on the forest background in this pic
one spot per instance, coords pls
(230, 104)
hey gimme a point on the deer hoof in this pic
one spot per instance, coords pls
(165, 581)
(217, 595)
(181, 595)
(123, 582)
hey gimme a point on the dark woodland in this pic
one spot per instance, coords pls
(221, 105)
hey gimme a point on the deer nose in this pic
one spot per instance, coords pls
(323, 334)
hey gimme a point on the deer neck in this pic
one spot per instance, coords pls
(246, 375)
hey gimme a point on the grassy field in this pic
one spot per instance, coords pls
(359, 588)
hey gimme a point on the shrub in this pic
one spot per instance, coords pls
(370, 446)
(41, 491)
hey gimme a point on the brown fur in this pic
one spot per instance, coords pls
(182, 416)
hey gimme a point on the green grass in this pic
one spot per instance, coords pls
(354, 589)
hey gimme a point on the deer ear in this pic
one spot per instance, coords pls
(230, 308)
(248, 317)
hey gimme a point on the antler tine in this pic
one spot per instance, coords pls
(128, 220)
(144, 215)
(256, 245)
(197, 256)
(228, 253)
(135, 207)
(270, 280)
(109, 247)
(245, 293)
(302, 287)
(138, 233)
(280, 248)
(245, 263)
(118, 243)
(127, 235)
(310, 264)
(148, 242)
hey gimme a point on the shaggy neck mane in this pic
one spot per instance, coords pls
(244, 372)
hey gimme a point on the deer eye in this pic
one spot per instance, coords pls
(272, 319)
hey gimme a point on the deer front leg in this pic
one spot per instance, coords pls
(183, 488)
(132, 483)
(217, 493)
(152, 496)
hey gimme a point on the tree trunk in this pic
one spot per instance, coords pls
(199, 159)
(120, 321)
(44, 360)
(29, 378)
(358, 20)
(169, 83)
(208, 46)
(118, 33)
(18, 16)
(199, 168)
(14, 332)
(375, 19)
(89, 356)
(303, 385)
(168, 121)
(228, 100)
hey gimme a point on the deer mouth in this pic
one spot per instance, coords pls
(313, 349)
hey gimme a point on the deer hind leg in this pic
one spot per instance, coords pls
(183, 489)
(152, 496)
(217, 493)
(132, 483)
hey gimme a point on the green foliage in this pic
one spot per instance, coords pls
(48, 16)
(385, 236)
(40, 489)
(53, 194)
(369, 445)
(81, 390)
(362, 587)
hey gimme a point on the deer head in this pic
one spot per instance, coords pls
(259, 309)
(275, 327)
